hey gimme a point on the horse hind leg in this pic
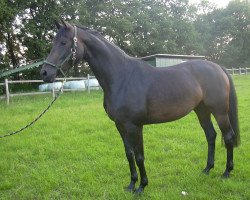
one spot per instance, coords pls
(228, 135)
(204, 117)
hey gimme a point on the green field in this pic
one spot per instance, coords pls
(75, 152)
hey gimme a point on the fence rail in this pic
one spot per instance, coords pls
(239, 71)
(8, 95)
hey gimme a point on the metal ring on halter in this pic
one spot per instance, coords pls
(75, 40)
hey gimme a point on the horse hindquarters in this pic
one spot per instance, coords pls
(204, 117)
(221, 101)
(229, 126)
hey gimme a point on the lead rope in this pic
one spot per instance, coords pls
(39, 116)
(58, 67)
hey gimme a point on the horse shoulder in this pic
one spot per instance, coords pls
(129, 100)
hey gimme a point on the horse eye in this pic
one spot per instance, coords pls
(63, 43)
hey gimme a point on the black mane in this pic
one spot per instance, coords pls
(92, 31)
(100, 36)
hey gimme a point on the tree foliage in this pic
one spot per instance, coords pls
(225, 34)
(139, 27)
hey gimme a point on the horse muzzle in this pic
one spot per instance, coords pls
(46, 75)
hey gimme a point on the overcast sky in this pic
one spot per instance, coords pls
(218, 3)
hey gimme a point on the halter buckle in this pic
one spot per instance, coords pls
(75, 40)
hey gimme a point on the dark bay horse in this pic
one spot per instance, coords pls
(136, 93)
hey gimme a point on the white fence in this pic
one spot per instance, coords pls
(8, 95)
(239, 71)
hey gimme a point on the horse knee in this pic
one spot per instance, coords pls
(211, 137)
(229, 139)
(139, 159)
(130, 156)
(129, 153)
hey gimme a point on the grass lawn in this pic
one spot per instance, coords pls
(75, 152)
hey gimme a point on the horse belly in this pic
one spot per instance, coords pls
(167, 114)
(170, 106)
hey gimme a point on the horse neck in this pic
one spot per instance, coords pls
(108, 63)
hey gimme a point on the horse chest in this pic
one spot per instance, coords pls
(110, 109)
(125, 110)
(114, 113)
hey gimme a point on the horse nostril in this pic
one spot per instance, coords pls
(44, 73)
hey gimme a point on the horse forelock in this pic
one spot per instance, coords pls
(60, 33)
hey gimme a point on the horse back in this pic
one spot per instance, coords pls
(155, 95)
(175, 91)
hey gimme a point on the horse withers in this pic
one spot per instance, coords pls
(136, 93)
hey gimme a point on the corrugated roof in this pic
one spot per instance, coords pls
(172, 56)
(21, 68)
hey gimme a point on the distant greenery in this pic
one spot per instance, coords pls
(139, 27)
(75, 152)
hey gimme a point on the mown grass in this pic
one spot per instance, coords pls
(75, 152)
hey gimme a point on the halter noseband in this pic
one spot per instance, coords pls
(72, 53)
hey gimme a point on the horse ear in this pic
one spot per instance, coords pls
(58, 25)
(64, 23)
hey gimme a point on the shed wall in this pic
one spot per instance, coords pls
(163, 62)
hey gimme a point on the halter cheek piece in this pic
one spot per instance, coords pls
(72, 53)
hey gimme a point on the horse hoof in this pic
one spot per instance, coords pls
(225, 175)
(127, 189)
(130, 188)
(139, 191)
(205, 171)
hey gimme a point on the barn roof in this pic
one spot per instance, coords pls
(172, 56)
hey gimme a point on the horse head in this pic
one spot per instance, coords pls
(65, 47)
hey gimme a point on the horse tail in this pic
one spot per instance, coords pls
(233, 110)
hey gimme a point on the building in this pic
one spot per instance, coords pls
(165, 60)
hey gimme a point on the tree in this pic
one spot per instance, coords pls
(139, 27)
(225, 34)
(9, 47)
(29, 31)
(143, 27)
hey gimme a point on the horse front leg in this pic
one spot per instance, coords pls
(130, 157)
(133, 142)
(139, 157)
(134, 139)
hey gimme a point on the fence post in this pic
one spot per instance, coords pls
(7, 91)
(53, 93)
(88, 85)
(232, 71)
